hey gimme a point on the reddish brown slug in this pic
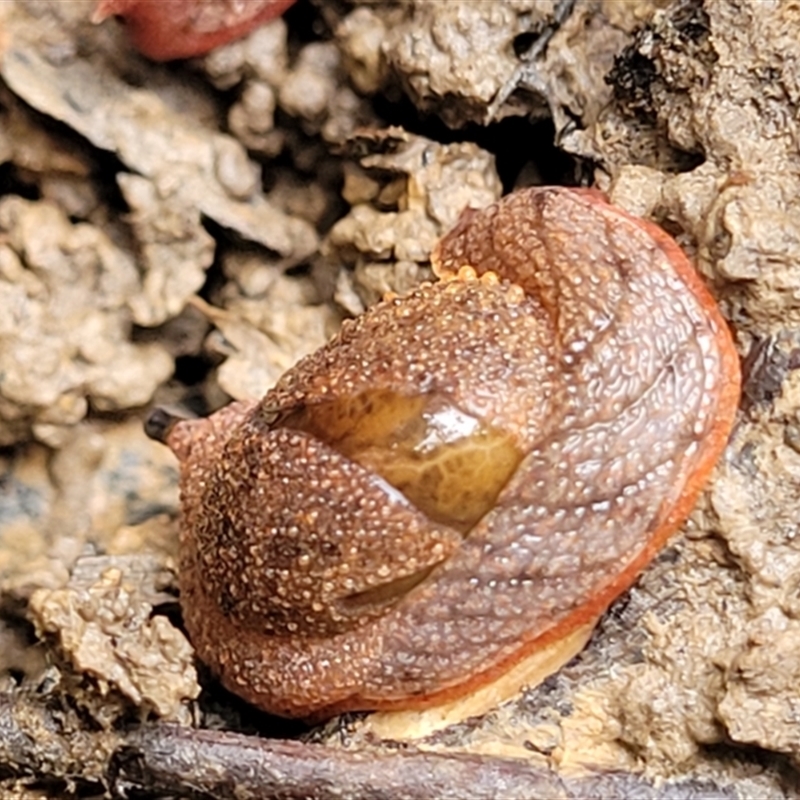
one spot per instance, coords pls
(462, 476)
(167, 29)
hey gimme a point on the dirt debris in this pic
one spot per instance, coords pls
(106, 632)
(405, 192)
(66, 342)
(270, 188)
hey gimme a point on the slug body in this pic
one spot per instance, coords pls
(463, 475)
(168, 29)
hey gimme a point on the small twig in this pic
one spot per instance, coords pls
(525, 71)
(562, 11)
(45, 741)
(227, 766)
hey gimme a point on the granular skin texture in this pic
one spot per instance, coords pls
(167, 29)
(312, 586)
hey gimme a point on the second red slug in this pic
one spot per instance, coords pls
(168, 29)
(463, 475)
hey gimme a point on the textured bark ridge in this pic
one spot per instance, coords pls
(569, 380)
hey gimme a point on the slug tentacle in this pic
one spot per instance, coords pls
(462, 476)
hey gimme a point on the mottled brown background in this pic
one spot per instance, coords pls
(181, 234)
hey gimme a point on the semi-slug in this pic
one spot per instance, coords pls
(168, 29)
(462, 476)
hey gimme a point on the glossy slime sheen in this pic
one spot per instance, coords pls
(463, 475)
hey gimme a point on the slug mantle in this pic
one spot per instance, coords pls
(463, 476)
